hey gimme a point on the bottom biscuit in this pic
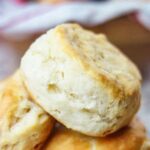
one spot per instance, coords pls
(129, 138)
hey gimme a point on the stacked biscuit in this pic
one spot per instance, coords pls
(81, 80)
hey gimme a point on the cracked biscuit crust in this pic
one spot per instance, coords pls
(23, 124)
(82, 80)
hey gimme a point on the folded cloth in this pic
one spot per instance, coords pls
(28, 19)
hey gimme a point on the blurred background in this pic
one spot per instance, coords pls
(125, 22)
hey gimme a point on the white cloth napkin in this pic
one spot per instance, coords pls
(24, 20)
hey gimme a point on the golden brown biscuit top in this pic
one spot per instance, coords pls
(13, 91)
(20, 117)
(99, 58)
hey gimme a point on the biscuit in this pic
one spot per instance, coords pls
(128, 138)
(146, 145)
(23, 124)
(82, 80)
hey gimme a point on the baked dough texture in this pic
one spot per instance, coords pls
(128, 138)
(146, 145)
(82, 80)
(23, 124)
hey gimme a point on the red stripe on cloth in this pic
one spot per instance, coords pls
(18, 2)
(21, 1)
